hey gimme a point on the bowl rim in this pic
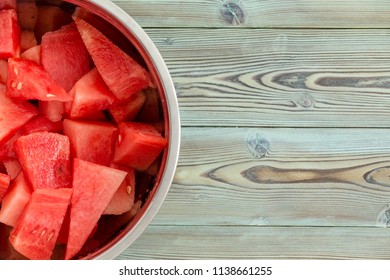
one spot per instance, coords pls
(149, 52)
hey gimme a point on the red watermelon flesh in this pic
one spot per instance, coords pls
(123, 75)
(3, 71)
(53, 110)
(90, 95)
(7, 4)
(4, 184)
(91, 141)
(9, 34)
(64, 56)
(139, 145)
(45, 159)
(33, 54)
(13, 167)
(123, 199)
(27, 80)
(37, 229)
(13, 115)
(36, 124)
(15, 200)
(128, 110)
(93, 187)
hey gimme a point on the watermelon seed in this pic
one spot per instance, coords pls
(50, 236)
(42, 233)
(128, 189)
(13, 84)
(19, 86)
(49, 95)
(16, 71)
(120, 138)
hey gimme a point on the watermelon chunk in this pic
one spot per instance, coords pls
(27, 40)
(45, 159)
(27, 14)
(3, 71)
(13, 167)
(91, 141)
(64, 56)
(90, 95)
(9, 34)
(123, 199)
(4, 184)
(53, 110)
(27, 80)
(33, 54)
(128, 110)
(123, 75)
(13, 115)
(37, 229)
(7, 4)
(93, 187)
(139, 145)
(15, 200)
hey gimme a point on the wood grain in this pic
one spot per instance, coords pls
(283, 177)
(279, 78)
(230, 242)
(254, 13)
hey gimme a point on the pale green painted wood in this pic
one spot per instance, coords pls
(228, 242)
(255, 13)
(284, 177)
(284, 78)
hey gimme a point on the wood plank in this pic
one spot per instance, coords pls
(284, 78)
(227, 242)
(284, 177)
(254, 13)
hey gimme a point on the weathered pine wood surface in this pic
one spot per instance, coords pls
(285, 109)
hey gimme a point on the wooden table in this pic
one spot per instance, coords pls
(285, 110)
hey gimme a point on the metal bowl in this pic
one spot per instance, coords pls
(115, 234)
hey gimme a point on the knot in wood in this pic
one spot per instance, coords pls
(257, 145)
(306, 101)
(233, 12)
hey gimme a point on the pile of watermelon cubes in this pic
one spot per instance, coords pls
(79, 119)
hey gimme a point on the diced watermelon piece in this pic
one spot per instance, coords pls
(15, 200)
(28, 40)
(37, 229)
(27, 80)
(13, 115)
(150, 112)
(4, 184)
(91, 141)
(50, 18)
(3, 71)
(13, 167)
(27, 14)
(139, 145)
(90, 95)
(7, 4)
(33, 54)
(9, 34)
(64, 56)
(40, 124)
(123, 75)
(128, 110)
(123, 199)
(53, 110)
(93, 187)
(45, 159)
(36, 124)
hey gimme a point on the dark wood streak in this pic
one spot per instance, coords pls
(358, 175)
